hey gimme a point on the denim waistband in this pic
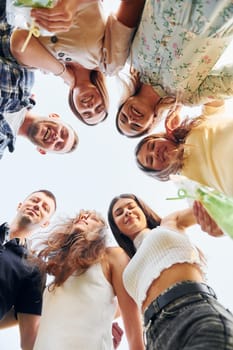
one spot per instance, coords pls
(177, 291)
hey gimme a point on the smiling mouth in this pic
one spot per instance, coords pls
(161, 154)
(130, 219)
(81, 221)
(32, 211)
(47, 134)
(86, 99)
(136, 113)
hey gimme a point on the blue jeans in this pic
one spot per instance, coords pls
(193, 322)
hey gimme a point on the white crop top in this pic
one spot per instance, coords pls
(157, 250)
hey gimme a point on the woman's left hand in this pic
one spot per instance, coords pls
(205, 221)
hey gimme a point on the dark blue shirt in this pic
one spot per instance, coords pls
(21, 283)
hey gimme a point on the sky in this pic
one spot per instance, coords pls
(102, 167)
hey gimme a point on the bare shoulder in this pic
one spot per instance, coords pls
(116, 255)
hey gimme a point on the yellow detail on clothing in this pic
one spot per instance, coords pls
(208, 156)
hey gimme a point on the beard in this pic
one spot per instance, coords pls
(32, 132)
(25, 220)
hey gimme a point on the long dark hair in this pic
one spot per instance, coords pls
(153, 220)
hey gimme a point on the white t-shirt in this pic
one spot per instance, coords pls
(16, 119)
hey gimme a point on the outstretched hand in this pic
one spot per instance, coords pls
(117, 333)
(205, 221)
(56, 19)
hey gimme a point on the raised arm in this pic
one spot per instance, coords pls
(179, 220)
(217, 85)
(129, 12)
(118, 260)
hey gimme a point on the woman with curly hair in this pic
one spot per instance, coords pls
(80, 303)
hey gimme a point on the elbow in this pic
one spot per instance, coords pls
(18, 38)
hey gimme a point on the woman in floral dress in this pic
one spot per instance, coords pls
(172, 59)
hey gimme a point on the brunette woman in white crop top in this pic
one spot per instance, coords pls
(80, 305)
(165, 277)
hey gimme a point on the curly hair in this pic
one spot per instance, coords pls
(153, 220)
(177, 137)
(68, 253)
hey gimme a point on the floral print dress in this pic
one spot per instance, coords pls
(177, 45)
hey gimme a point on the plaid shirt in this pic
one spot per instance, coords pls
(15, 84)
(16, 81)
(7, 138)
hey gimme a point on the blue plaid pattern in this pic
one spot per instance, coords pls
(16, 81)
(7, 138)
(15, 84)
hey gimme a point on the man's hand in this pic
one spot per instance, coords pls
(117, 333)
(205, 221)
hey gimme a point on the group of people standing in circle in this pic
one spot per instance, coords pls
(155, 279)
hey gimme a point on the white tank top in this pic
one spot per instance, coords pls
(78, 315)
(157, 250)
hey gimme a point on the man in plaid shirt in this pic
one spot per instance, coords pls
(47, 133)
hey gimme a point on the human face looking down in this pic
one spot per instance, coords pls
(129, 217)
(157, 153)
(89, 223)
(89, 104)
(135, 117)
(52, 135)
(36, 209)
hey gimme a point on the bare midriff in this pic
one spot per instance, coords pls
(174, 274)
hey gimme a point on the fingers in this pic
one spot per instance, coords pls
(117, 333)
(205, 221)
(54, 27)
(56, 19)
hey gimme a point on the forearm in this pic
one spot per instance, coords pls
(133, 326)
(37, 56)
(218, 85)
(129, 12)
(179, 220)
